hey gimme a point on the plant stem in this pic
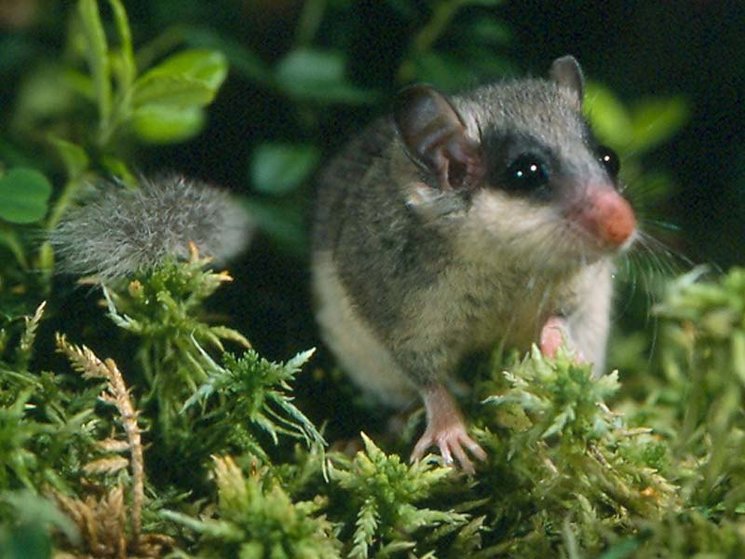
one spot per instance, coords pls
(310, 18)
(428, 35)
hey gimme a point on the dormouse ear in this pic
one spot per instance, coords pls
(435, 137)
(567, 72)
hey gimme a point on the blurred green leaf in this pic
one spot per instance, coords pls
(27, 541)
(203, 65)
(174, 91)
(403, 7)
(24, 194)
(610, 119)
(312, 67)
(282, 222)
(189, 78)
(118, 168)
(9, 239)
(45, 95)
(279, 168)
(443, 70)
(634, 131)
(163, 124)
(123, 62)
(490, 32)
(656, 120)
(96, 50)
(622, 549)
(488, 3)
(241, 60)
(34, 513)
(12, 155)
(318, 75)
(73, 156)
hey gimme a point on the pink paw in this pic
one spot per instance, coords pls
(446, 430)
(452, 441)
(553, 335)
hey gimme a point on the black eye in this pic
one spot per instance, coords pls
(609, 160)
(527, 172)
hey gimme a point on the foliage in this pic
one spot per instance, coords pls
(163, 308)
(187, 441)
(256, 518)
(385, 493)
(704, 365)
(571, 463)
(46, 430)
(24, 194)
(249, 391)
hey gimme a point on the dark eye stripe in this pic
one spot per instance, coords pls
(528, 172)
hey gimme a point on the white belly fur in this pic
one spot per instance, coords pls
(359, 352)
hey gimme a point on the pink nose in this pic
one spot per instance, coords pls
(608, 216)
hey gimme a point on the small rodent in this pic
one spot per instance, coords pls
(459, 223)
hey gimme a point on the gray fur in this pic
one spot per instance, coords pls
(409, 276)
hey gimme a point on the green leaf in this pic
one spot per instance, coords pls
(73, 156)
(656, 120)
(189, 78)
(27, 541)
(443, 70)
(279, 168)
(318, 75)
(622, 549)
(207, 66)
(177, 92)
(24, 194)
(123, 63)
(635, 131)
(610, 119)
(490, 32)
(118, 168)
(281, 221)
(309, 66)
(163, 124)
(241, 60)
(96, 50)
(9, 239)
(38, 513)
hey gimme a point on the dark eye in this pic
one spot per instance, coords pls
(527, 172)
(609, 160)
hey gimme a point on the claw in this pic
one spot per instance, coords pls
(447, 431)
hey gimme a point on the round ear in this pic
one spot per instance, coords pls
(435, 138)
(567, 72)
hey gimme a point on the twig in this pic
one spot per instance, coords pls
(85, 361)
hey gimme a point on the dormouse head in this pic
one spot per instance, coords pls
(523, 159)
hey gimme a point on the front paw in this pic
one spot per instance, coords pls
(452, 441)
(555, 334)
